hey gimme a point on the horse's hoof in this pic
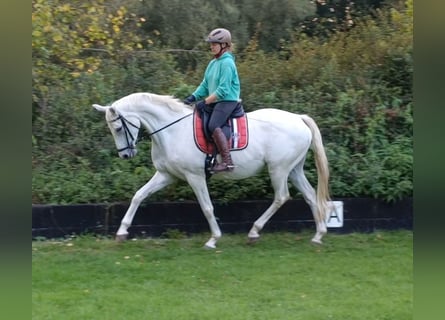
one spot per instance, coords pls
(317, 242)
(252, 240)
(121, 237)
(211, 244)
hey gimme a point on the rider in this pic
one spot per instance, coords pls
(220, 90)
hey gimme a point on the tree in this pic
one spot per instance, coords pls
(65, 35)
(339, 15)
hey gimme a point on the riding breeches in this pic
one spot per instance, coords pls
(221, 112)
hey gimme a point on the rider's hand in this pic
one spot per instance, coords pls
(200, 105)
(189, 100)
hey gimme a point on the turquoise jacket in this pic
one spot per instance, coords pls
(220, 78)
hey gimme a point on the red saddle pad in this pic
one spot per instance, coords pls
(239, 136)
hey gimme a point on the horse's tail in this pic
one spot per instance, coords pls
(321, 162)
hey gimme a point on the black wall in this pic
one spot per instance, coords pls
(152, 219)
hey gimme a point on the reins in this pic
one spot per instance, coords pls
(168, 125)
(128, 134)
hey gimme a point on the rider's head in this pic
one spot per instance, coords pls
(220, 40)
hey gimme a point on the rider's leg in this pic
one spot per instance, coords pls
(221, 143)
(220, 115)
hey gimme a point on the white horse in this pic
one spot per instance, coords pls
(278, 139)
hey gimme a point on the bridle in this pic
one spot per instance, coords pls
(131, 141)
(131, 144)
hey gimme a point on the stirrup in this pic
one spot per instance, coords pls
(228, 168)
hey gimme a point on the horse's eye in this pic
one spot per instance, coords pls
(118, 129)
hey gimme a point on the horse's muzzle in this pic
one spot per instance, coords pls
(128, 154)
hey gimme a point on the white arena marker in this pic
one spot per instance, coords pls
(335, 215)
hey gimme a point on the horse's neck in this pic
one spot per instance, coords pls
(157, 118)
(153, 121)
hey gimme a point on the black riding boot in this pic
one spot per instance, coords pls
(221, 143)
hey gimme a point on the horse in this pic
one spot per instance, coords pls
(278, 139)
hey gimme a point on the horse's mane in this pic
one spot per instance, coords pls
(170, 101)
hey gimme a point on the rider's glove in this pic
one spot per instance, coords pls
(200, 105)
(189, 100)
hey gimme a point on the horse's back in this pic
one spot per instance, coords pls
(278, 122)
(277, 137)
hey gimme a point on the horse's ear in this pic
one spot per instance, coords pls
(100, 108)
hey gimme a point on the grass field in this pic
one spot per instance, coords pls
(283, 276)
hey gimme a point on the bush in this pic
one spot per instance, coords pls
(357, 85)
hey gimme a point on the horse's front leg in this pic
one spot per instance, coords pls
(199, 186)
(156, 183)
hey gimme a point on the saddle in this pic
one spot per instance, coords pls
(235, 130)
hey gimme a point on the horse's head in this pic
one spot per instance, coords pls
(124, 128)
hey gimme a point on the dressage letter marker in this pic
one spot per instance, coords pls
(335, 217)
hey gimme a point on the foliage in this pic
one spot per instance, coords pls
(64, 36)
(195, 18)
(356, 84)
(332, 16)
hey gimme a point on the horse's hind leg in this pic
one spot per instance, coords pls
(279, 184)
(300, 181)
(156, 183)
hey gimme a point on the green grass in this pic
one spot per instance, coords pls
(353, 276)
